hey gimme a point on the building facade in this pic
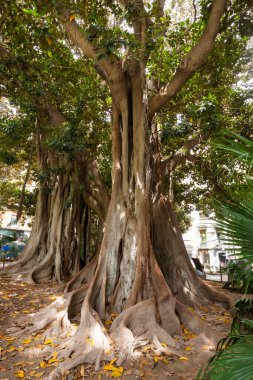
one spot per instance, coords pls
(10, 227)
(203, 241)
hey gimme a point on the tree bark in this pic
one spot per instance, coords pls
(22, 196)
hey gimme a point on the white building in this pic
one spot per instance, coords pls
(10, 227)
(202, 242)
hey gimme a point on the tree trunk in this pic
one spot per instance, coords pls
(22, 195)
(53, 249)
(142, 272)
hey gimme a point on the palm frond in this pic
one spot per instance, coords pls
(235, 362)
(236, 145)
(235, 220)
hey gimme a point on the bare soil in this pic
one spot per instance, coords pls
(35, 356)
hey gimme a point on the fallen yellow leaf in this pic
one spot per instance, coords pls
(116, 374)
(109, 367)
(26, 341)
(31, 373)
(49, 341)
(55, 354)
(113, 361)
(71, 17)
(20, 374)
(164, 344)
(188, 348)
(11, 349)
(42, 364)
(183, 358)
(52, 360)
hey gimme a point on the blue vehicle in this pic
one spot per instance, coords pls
(11, 250)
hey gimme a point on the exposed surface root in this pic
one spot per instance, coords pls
(57, 316)
(90, 344)
(137, 326)
(133, 329)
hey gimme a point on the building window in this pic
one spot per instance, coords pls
(13, 219)
(203, 238)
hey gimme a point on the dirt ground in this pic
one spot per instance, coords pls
(35, 356)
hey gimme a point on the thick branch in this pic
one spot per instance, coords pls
(182, 154)
(73, 31)
(107, 69)
(196, 58)
(110, 70)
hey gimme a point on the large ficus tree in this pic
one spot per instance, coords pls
(59, 124)
(142, 271)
